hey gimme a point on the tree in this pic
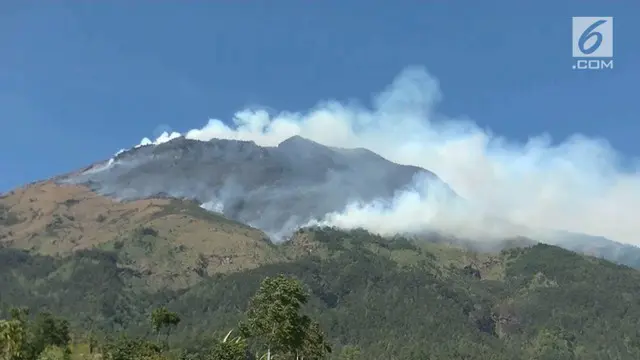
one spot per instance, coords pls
(125, 348)
(350, 353)
(161, 318)
(274, 317)
(93, 342)
(315, 345)
(48, 330)
(552, 344)
(19, 314)
(54, 353)
(12, 339)
(228, 349)
(21, 339)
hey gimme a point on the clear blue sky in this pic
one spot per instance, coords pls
(81, 79)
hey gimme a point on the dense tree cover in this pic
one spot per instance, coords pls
(374, 298)
(273, 320)
(39, 338)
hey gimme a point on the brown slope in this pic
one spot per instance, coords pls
(170, 242)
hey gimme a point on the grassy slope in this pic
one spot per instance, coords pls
(173, 243)
(390, 297)
(105, 265)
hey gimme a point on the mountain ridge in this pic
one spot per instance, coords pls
(262, 185)
(295, 182)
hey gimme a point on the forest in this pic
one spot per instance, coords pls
(358, 296)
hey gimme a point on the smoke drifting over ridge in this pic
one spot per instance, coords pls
(576, 186)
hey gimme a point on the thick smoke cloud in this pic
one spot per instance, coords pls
(577, 186)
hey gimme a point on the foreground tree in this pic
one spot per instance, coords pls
(12, 339)
(315, 345)
(54, 353)
(228, 349)
(125, 348)
(161, 318)
(48, 330)
(274, 317)
(21, 339)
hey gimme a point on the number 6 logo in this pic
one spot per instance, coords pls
(592, 37)
(588, 34)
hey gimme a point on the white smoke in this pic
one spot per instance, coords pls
(214, 206)
(163, 138)
(577, 186)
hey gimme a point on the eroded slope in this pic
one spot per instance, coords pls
(172, 243)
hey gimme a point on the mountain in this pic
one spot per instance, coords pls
(278, 189)
(600, 247)
(104, 246)
(275, 189)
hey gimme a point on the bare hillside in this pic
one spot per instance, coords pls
(174, 241)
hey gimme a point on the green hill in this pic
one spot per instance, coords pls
(392, 298)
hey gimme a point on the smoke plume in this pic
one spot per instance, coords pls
(577, 186)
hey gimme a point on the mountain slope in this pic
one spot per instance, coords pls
(275, 189)
(391, 297)
(104, 263)
(173, 242)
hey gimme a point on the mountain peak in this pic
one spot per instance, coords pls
(275, 189)
(298, 139)
(299, 143)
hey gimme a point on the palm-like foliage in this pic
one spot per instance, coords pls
(12, 338)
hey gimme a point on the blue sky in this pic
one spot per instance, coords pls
(80, 80)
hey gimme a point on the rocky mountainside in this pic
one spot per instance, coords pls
(276, 189)
(252, 193)
(149, 204)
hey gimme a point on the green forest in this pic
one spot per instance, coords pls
(355, 296)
